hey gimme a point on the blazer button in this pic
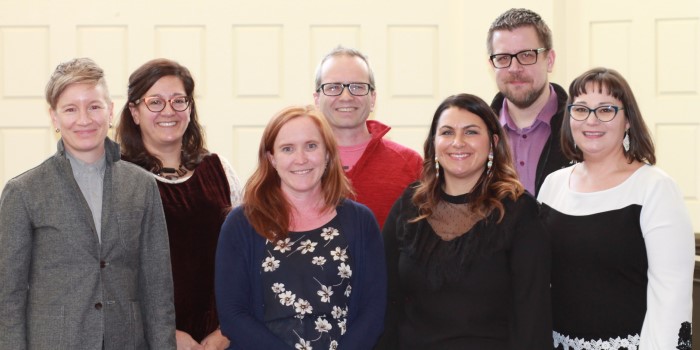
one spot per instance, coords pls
(98, 306)
(103, 264)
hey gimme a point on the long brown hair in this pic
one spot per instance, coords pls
(129, 134)
(641, 144)
(492, 187)
(265, 206)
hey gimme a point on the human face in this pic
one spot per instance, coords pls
(299, 156)
(594, 138)
(83, 113)
(167, 127)
(522, 85)
(345, 111)
(462, 146)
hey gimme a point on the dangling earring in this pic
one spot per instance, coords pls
(489, 164)
(626, 141)
(437, 168)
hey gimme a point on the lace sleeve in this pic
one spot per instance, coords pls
(234, 183)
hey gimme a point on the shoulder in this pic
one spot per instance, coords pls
(131, 173)
(554, 182)
(349, 208)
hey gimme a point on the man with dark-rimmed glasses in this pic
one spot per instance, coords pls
(378, 169)
(529, 107)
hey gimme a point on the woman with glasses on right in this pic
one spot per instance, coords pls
(622, 240)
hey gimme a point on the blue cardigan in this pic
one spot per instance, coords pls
(239, 290)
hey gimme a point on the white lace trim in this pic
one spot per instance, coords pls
(631, 343)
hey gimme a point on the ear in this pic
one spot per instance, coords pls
(373, 99)
(54, 118)
(551, 56)
(134, 113)
(495, 140)
(316, 96)
(111, 112)
(271, 159)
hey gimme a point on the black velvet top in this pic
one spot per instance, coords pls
(194, 211)
(486, 289)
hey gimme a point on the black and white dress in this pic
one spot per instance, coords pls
(622, 263)
(306, 287)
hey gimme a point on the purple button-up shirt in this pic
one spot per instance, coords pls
(527, 144)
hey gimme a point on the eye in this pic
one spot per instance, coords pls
(471, 132)
(312, 146)
(156, 102)
(180, 100)
(69, 110)
(286, 149)
(447, 132)
(606, 109)
(95, 107)
(502, 58)
(579, 109)
(526, 54)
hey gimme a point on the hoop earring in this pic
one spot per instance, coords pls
(489, 164)
(626, 141)
(437, 168)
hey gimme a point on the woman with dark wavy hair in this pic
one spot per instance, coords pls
(467, 257)
(299, 265)
(159, 131)
(622, 240)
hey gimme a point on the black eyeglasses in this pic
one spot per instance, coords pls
(603, 113)
(157, 104)
(336, 89)
(525, 58)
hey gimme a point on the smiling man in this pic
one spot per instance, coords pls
(379, 169)
(530, 108)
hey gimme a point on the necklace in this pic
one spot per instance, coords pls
(171, 173)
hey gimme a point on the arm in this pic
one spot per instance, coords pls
(368, 299)
(15, 259)
(155, 276)
(234, 184)
(669, 240)
(531, 327)
(394, 310)
(234, 286)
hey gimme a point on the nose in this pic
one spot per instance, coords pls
(84, 118)
(300, 157)
(458, 141)
(515, 65)
(346, 93)
(592, 118)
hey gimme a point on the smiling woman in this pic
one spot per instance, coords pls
(299, 265)
(160, 131)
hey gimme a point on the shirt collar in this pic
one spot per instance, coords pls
(544, 116)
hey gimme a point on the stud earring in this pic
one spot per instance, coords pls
(437, 167)
(626, 141)
(58, 130)
(111, 125)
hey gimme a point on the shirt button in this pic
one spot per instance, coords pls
(98, 306)
(524, 136)
(522, 163)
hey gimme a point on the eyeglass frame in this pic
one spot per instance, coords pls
(370, 88)
(595, 113)
(168, 101)
(537, 52)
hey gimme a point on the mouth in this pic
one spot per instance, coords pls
(167, 124)
(345, 109)
(593, 133)
(459, 156)
(301, 172)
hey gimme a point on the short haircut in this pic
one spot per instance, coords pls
(76, 71)
(520, 17)
(343, 51)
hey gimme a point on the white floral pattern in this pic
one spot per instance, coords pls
(324, 306)
(631, 342)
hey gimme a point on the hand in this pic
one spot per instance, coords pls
(185, 341)
(216, 341)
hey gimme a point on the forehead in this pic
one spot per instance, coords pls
(298, 130)
(457, 117)
(78, 92)
(344, 68)
(516, 40)
(166, 84)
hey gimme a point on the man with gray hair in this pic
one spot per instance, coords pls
(530, 108)
(379, 169)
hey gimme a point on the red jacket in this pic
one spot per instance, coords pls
(383, 171)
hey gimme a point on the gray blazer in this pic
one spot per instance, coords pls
(59, 287)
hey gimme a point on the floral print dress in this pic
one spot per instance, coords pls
(306, 282)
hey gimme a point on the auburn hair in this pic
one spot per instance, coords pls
(264, 205)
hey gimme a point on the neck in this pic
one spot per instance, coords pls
(307, 211)
(352, 137)
(456, 187)
(87, 157)
(169, 155)
(599, 167)
(525, 117)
